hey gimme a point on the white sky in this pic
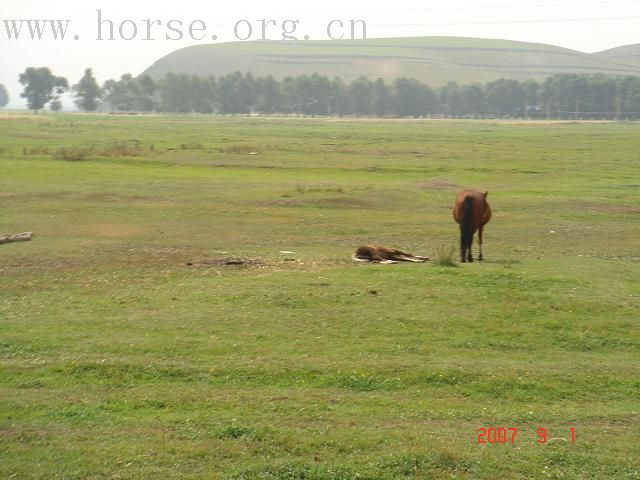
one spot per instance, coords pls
(587, 25)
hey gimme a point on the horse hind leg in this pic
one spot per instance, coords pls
(412, 258)
(463, 247)
(408, 257)
(480, 241)
(384, 259)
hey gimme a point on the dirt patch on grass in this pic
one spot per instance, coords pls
(437, 184)
(111, 197)
(60, 195)
(331, 202)
(341, 202)
(280, 203)
(230, 262)
(615, 209)
(123, 199)
(111, 230)
(582, 205)
(241, 149)
(97, 197)
(29, 117)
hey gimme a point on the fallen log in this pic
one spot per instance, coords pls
(19, 237)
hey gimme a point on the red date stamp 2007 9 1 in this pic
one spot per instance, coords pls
(508, 435)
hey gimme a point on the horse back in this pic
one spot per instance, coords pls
(481, 208)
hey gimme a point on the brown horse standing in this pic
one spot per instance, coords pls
(472, 212)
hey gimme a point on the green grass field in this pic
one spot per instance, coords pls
(129, 351)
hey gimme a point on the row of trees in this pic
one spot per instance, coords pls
(560, 96)
(4, 96)
(565, 95)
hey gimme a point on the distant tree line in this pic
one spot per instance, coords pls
(560, 96)
(564, 96)
(4, 96)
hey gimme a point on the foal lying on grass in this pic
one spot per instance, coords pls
(382, 254)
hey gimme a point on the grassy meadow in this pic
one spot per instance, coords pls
(129, 350)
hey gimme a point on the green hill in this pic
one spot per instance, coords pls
(434, 60)
(627, 55)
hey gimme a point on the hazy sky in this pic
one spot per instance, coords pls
(588, 26)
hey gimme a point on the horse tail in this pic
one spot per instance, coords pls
(466, 225)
